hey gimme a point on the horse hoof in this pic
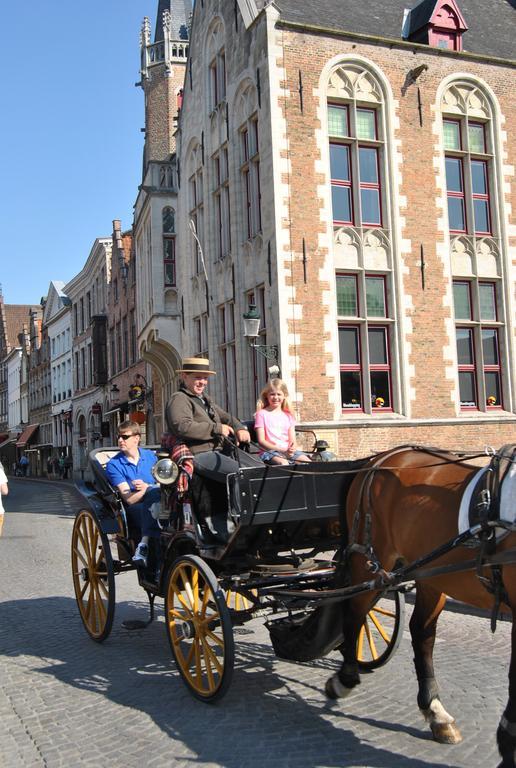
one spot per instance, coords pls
(329, 690)
(446, 733)
(334, 688)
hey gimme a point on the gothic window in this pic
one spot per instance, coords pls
(359, 168)
(250, 172)
(218, 79)
(169, 245)
(216, 56)
(356, 174)
(470, 158)
(227, 352)
(364, 331)
(201, 343)
(221, 203)
(196, 208)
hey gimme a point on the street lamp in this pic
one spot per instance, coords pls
(252, 332)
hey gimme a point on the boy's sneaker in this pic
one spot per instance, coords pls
(141, 554)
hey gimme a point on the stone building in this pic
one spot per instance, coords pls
(57, 321)
(130, 389)
(349, 170)
(87, 293)
(14, 414)
(38, 437)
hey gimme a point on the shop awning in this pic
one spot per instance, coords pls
(26, 435)
(8, 442)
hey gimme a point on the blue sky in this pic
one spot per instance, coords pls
(71, 145)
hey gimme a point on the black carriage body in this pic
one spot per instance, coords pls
(290, 507)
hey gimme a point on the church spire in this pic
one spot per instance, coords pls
(180, 12)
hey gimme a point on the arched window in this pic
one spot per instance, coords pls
(169, 246)
(246, 117)
(470, 161)
(362, 239)
(216, 56)
(196, 204)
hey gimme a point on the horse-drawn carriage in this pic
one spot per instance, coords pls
(316, 549)
(283, 532)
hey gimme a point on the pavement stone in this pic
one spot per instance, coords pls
(67, 701)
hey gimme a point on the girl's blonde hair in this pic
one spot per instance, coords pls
(263, 400)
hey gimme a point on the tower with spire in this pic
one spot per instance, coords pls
(163, 65)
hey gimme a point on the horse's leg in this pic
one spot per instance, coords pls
(506, 734)
(354, 612)
(427, 609)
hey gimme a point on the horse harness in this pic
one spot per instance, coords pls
(483, 513)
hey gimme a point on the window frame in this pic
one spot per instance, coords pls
(362, 324)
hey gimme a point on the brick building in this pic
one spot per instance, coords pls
(349, 169)
(129, 394)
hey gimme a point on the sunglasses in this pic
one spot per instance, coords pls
(125, 437)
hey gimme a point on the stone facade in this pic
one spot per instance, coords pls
(395, 323)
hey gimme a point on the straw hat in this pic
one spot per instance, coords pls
(196, 365)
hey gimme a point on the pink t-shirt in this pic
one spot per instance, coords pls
(276, 425)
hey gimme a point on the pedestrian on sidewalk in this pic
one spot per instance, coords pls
(4, 490)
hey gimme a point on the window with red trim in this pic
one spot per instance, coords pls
(478, 344)
(364, 343)
(467, 177)
(355, 165)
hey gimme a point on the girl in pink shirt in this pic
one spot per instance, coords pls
(275, 426)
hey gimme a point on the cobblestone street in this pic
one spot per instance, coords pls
(67, 701)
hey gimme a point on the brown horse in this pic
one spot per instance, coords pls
(402, 508)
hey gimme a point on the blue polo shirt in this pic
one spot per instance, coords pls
(120, 470)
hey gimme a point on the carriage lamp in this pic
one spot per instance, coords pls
(252, 332)
(165, 471)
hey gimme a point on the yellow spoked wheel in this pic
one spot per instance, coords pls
(199, 628)
(237, 602)
(93, 575)
(381, 631)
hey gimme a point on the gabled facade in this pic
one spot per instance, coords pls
(39, 448)
(57, 322)
(436, 22)
(87, 293)
(358, 188)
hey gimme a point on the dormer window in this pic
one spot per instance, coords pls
(435, 22)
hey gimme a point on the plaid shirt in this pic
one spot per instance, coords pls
(183, 458)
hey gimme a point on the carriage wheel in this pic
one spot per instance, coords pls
(199, 628)
(93, 575)
(381, 632)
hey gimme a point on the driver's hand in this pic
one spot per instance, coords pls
(227, 430)
(243, 436)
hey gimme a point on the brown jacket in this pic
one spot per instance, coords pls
(189, 421)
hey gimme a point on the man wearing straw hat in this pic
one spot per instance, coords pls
(203, 426)
(206, 429)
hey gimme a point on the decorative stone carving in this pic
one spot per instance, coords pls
(376, 250)
(463, 99)
(354, 82)
(462, 256)
(488, 258)
(346, 248)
